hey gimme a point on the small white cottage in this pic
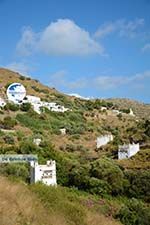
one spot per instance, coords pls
(44, 173)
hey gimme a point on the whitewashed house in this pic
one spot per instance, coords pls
(103, 140)
(2, 103)
(131, 112)
(32, 99)
(16, 93)
(37, 141)
(44, 173)
(115, 111)
(126, 151)
(63, 131)
(103, 108)
(37, 104)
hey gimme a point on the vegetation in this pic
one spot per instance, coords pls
(90, 180)
(39, 204)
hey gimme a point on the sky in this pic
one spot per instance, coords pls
(93, 48)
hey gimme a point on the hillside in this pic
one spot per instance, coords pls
(21, 205)
(124, 185)
(142, 110)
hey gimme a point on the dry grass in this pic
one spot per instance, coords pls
(8, 76)
(20, 206)
(96, 219)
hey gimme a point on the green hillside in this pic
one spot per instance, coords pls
(83, 171)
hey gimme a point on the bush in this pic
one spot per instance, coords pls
(97, 186)
(8, 122)
(27, 147)
(9, 139)
(11, 106)
(17, 170)
(106, 170)
(25, 107)
(134, 213)
(79, 176)
(22, 77)
(139, 184)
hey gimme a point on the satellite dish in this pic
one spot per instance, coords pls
(16, 92)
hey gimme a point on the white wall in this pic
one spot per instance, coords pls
(2, 102)
(32, 99)
(126, 151)
(45, 173)
(103, 140)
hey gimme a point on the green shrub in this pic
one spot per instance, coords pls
(8, 122)
(139, 184)
(106, 170)
(119, 116)
(17, 170)
(134, 213)
(97, 186)
(11, 106)
(25, 107)
(63, 201)
(9, 139)
(22, 77)
(27, 147)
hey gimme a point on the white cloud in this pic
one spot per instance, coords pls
(27, 42)
(110, 82)
(62, 37)
(19, 67)
(122, 27)
(146, 47)
(99, 82)
(79, 96)
(58, 79)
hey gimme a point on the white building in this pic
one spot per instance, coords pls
(2, 103)
(131, 112)
(116, 111)
(103, 108)
(63, 131)
(37, 104)
(37, 141)
(44, 173)
(32, 99)
(126, 151)
(103, 140)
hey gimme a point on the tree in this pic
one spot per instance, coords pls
(105, 169)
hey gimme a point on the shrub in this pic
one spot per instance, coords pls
(27, 147)
(9, 139)
(22, 77)
(105, 169)
(139, 184)
(11, 106)
(125, 111)
(119, 116)
(17, 170)
(28, 78)
(8, 122)
(79, 176)
(134, 213)
(35, 88)
(55, 198)
(25, 107)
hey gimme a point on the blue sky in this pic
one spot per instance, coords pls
(97, 48)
